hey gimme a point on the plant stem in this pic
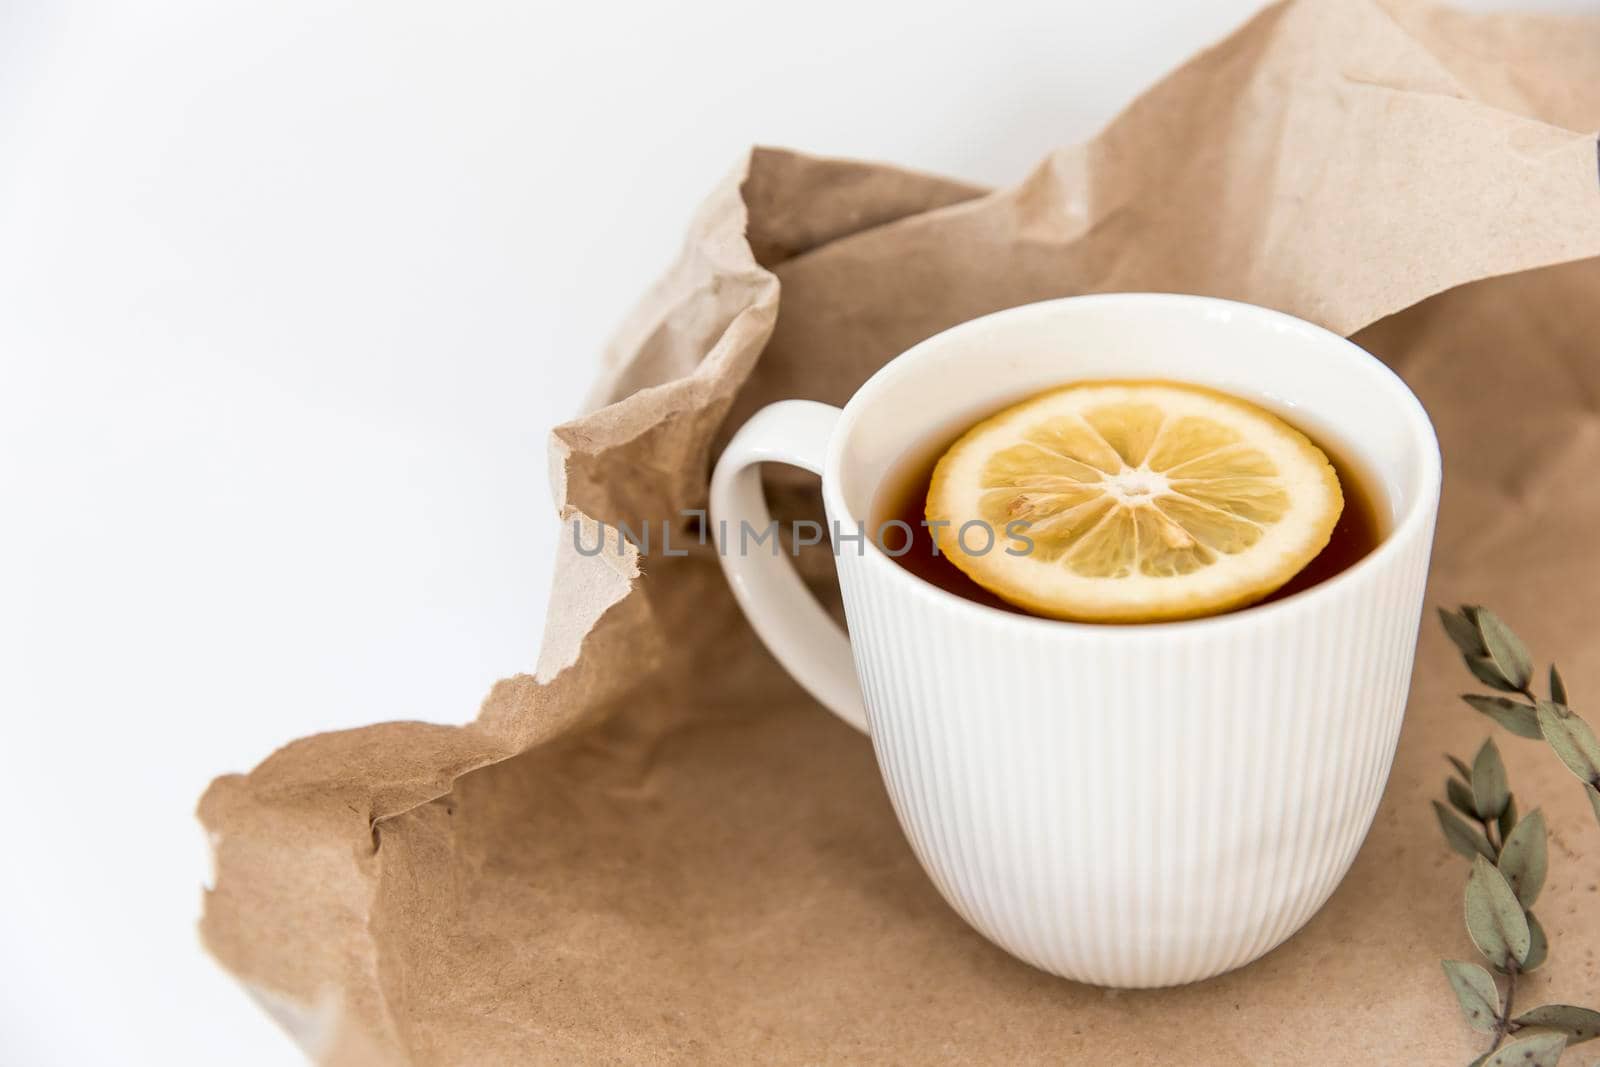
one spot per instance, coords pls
(1490, 828)
(1502, 1025)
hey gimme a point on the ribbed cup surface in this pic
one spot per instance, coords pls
(1137, 806)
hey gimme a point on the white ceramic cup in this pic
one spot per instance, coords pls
(1120, 805)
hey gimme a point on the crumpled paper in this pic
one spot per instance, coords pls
(656, 848)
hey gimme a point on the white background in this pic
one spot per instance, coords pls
(290, 295)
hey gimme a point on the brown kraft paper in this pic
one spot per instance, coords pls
(655, 848)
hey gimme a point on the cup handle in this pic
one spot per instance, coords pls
(787, 618)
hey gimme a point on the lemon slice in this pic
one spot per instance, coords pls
(1132, 502)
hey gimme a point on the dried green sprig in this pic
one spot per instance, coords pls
(1499, 659)
(1509, 855)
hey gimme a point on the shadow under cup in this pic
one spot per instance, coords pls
(1152, 804)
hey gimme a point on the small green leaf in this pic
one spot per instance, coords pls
(1594, 800)
(1494, 918)
(1460, 797)
(1579, 1024)
(1463, 633)
(1489, 789)
(1508, 818)
(1523, 858)
(1475, 989)
(1572, 739)
(1558, 688)
(1538, 945)
(1507, 651)
(1467, 840)
(1461, 769)
(1514, 715)
(1483, 668)
(1540, 1050)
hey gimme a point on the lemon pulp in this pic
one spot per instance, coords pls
(1132, 502)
